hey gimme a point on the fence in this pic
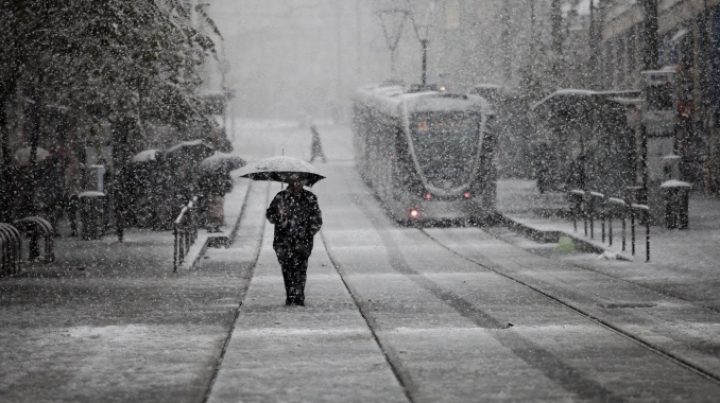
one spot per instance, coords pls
(185, 229)
(10, 250)
(592, 206)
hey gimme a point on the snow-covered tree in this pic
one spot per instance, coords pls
(115, 61)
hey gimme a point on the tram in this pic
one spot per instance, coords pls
(427, 154)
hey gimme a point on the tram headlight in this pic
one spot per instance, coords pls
(414, 213)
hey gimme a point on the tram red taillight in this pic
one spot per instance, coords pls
(466, 195)
(428, 196)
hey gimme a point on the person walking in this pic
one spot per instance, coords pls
(297, 218)
(316, 150)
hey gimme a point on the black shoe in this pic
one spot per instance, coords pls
(294, 302)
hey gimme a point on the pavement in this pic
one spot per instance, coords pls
(112, 322)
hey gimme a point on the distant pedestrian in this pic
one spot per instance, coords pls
(316, 150)
(297, 218)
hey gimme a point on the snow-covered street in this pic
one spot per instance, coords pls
(409, 201)
(392, 314)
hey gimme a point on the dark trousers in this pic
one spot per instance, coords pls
(294, 269)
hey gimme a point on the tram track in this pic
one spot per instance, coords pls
(464, 311)
(553, 368)
(571, 379)
(674, 358)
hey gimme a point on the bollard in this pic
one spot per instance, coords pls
(593, 197)
(615, 206)
(624, 229)
(576, 199)
(647, 239)
(632, 231)
(646, 210)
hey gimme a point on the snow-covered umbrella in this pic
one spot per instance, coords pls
(146, 156)
(22, 156)
(194, 150)
(282, 169)
(222, 162)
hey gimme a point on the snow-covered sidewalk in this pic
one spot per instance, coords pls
(110, 321)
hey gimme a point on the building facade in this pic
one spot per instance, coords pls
(688, 42)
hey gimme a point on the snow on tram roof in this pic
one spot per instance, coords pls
(391, 97)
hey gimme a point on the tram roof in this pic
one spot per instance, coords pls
(390, 97)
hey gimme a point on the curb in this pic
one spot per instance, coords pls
(545, 236)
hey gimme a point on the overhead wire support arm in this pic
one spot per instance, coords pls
(392, 39)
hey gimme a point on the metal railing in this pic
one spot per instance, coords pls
(592, 206)
(10, 250)
(185, 229)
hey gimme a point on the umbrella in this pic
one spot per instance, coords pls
(146, 156)
(190, 150)
(222, 162)
(282, 169)
(22, 155)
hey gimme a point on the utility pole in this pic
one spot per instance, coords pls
(650, 60)
(505, 40)
(358, 15)
(338, 35)
(423, 37)
(557, 40)
(594, 45)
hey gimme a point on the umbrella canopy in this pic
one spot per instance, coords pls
(22, 156)
(194, 150)
(146, 156)
(282, 169)
(222, 162)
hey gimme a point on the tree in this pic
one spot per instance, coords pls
(113, 61)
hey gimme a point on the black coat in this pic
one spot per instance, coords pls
(300, 222)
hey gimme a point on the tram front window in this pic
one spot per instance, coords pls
(446, 146)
